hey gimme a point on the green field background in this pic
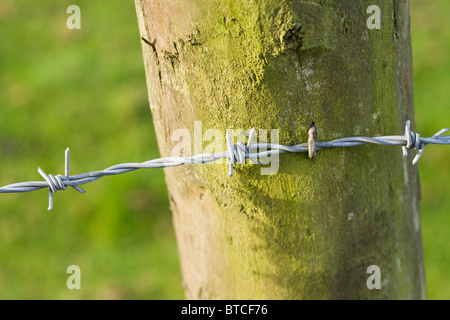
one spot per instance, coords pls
(85, 89)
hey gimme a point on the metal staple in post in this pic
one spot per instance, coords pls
(236, 153)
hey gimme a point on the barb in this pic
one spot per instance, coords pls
(236, 153)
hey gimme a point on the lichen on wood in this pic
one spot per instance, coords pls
(311, 230)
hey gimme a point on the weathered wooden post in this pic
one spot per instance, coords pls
(312, 230)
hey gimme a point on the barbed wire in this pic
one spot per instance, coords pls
(236, 153)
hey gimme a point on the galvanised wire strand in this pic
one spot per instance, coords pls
(236, 153)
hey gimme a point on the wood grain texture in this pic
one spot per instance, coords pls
(311, 230)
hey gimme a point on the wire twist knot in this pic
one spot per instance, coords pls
(55, 183)
(413, 141)
(58, 182)
(238, 152)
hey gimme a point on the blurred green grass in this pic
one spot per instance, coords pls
(86, 89)
(431, 57)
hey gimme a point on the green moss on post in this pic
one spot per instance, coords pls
(312, 230)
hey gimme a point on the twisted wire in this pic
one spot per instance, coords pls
(236, 153)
